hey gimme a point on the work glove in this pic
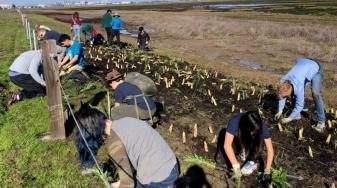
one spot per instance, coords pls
(138, 43)
(285, 120)
(116, 184)
(278, 115)
(266, 179)
(237, 171)
(147, 42)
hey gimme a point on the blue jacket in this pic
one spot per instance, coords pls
(116, 23)
(302, 73)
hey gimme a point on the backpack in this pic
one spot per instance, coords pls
(144, 83)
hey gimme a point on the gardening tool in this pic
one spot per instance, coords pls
(294, 177)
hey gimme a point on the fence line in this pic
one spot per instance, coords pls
(31, 33)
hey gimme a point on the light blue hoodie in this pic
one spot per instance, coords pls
(302, 73)
(116, 23)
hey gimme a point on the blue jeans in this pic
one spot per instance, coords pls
(316, 95)
(77, 32)
(166, 183)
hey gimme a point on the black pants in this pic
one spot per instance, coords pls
(108, 34)
(30, 87)
(115, 33)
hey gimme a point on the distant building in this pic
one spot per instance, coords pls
(6, 6)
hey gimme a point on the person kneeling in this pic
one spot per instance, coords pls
(27, 73)
(243, 139)
(74, 59)
(137, 104)
(132, 145)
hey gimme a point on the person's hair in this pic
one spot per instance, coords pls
(250, 132)
(75, 14)
(108, 11)
(92, 124)
(63, 38)
(285, 88)
(141, 28)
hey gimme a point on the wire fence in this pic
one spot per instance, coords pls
(31, 36)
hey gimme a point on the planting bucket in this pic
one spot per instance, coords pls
(144, 83)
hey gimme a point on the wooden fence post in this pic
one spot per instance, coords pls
(34, 40)
(30, 37)
(53, 87)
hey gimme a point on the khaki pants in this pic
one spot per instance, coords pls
(71, 69)
(120, 158)
(130, 111)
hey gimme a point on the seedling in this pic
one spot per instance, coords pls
(310, 152)
(328, 139)
(329, 124)
(233, 108)
(300, 134)
(184, 137)
(171, 128)
(205, 146)
(214, 101)
(253, 90)
(209, 92)
(214, 139)
(239, 97)
(210, 129)
(195, 132)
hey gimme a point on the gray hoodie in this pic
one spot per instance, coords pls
(29, 62)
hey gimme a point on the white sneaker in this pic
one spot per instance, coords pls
(249, 168)
(320, 127)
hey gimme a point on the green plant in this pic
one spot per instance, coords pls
(279, 177)
(200, 160)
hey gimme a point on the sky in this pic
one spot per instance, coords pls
(37, 2)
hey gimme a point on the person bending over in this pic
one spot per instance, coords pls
(137, 104)
(293, 85)
(243, 140)
(134, 147)
(74, 59)
(27, 73)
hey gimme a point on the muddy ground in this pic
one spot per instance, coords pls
(184, 106)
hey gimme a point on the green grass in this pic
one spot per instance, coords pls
(25, 161)
(51, 23)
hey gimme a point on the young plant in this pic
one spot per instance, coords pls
(200, 160)
(279, 178)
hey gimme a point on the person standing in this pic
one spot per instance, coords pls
(116, 25)
(143, 39)
(106, 22)
(75, 24)
(27, 73)
(293, 85)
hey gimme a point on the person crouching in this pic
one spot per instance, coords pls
(137, 104)
(132, 145)
(27, 73)
(242, 141)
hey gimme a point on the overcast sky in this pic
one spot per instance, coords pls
(36, 2)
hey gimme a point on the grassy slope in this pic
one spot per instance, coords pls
(24, 159)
